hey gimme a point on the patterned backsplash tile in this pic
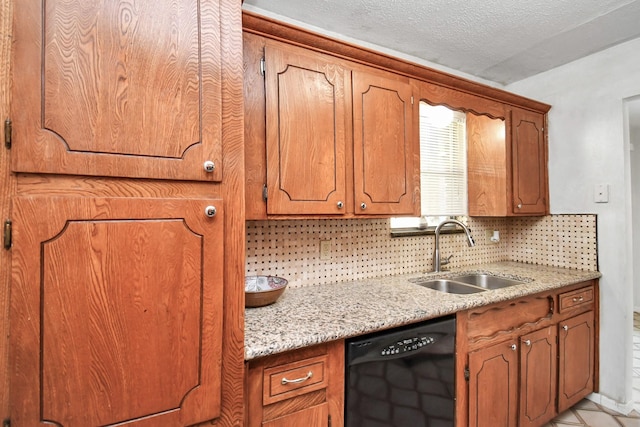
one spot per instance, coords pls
(364, 248)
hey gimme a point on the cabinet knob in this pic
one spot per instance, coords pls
(363, 206)
(340, 205)
(514, 347)
(209, 166)
(527, 342)
(519, 205)
(565, 327)
(210, 211)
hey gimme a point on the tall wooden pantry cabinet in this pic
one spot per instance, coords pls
(125, 213)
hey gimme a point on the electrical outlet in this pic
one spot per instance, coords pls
(492, 236)
(325, 250)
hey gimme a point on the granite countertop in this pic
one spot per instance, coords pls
(312, 315)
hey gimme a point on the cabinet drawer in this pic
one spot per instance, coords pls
(293, 379)
(579, 297)
(495, 321)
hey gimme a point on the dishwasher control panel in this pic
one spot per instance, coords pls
(406, 345)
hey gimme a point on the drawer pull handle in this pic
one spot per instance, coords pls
(286, 381)
(578, 299)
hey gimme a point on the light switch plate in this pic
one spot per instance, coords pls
(601, 193)
(325, 250)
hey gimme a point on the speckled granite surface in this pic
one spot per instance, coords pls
(315, 314)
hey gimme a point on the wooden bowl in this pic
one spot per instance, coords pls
(262, 290)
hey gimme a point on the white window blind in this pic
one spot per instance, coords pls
(443, 161)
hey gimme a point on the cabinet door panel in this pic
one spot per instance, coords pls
(116, 311)
(117, 89)
(493, 386)
(306, 139)
(486, 166)
(316, 416)
(383, 150)
(529, 168)
(576, 359)
(538, 375)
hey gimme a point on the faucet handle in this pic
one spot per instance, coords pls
(447, 260)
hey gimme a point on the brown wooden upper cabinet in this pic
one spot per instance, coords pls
(337, 141)
(529, 162)
(507, 164)
(121, 90)
(383, 143)
(306, 125)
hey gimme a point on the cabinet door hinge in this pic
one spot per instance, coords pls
(264, 193)
(6, 423)
(7, 234)
(329, 420)
(8, 129)
(467, 374)
(411, 99)
(262, 66)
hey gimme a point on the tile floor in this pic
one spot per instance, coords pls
(589, 414)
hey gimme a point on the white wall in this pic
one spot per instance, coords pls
(634, 139)
(587, 147)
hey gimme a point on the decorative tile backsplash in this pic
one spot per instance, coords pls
(364, 248)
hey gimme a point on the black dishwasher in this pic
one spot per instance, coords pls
(403, 377)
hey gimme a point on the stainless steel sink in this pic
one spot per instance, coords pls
(467, 283)
(486, 281)
(449, 286)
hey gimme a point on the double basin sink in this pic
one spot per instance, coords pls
(468, 283)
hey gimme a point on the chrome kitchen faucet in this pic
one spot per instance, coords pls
(436, 251)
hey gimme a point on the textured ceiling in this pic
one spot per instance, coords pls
(496, 40)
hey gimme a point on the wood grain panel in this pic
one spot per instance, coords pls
(232, 190)
(316, 416)
(306, 133)
(383, 145)
(486, 166)
(113, 89)
(295, 404)
(255, 132)
(285, 381)
(459, 100)
(271, 403)
(65, 185)
(538, 377)
(500, 319)
(580, 298)
(576, 348)
(7, 188)
(529, 163)
(131, 329)
(493, 386)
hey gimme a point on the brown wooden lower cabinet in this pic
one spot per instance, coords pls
(493, 381)
(530, 366)
(518, 370)
(316, 416)
(576, 342)
(302, 387)
(520, 363)
(538, 377)
(116, 311)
